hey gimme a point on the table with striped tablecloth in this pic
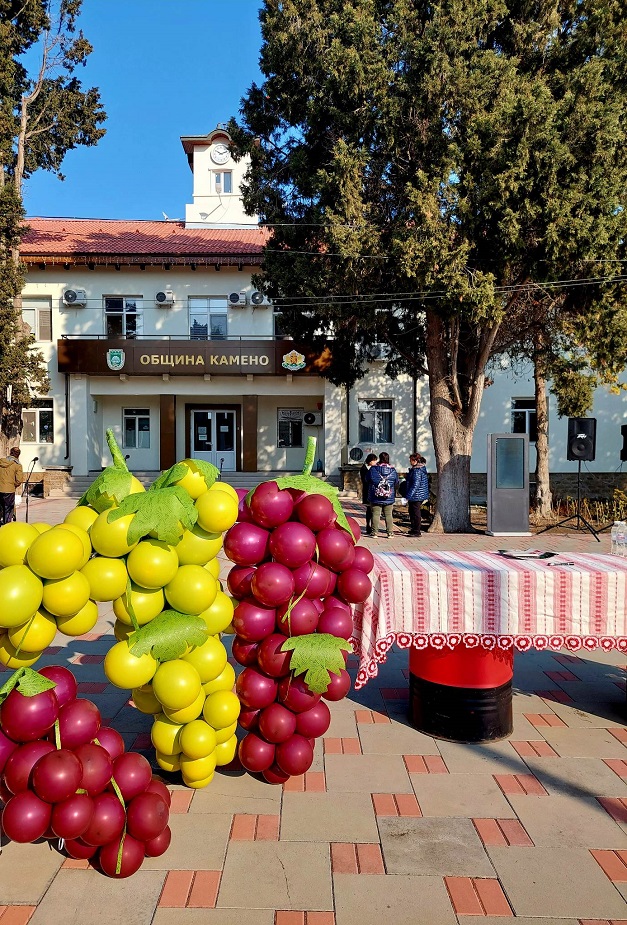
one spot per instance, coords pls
(481, 599)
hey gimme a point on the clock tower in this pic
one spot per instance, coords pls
(216, 184)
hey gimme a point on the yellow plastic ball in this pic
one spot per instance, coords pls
(224, 682)
(224, 486)
(79, 623)
(21, 592)
(41, 528)
(124, 669)
(36, 635)
(191, 590)
(221, 709)
(217, 510)
(193, 481)
(83, 537)
(198, 784)
(195, 769)
(105, 501)
(187, 714)
(225, 751)
(10, 658)
(214, 567)
(176, 684)
(110, 537)
(208, 659)
(64, 597)
(107, 578)
(55, 554)
(198, 739)
(197, 546)
(146, 603)
(222, 735)
(166, 735)
(82, 516)
(169, 763)
(122, 631)
(144, 699)
(15, 539)
(152, 564)
(218, 617)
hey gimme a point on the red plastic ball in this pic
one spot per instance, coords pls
(132, 773)
(7, 747)
(336, 549)
(312, 580)
(292, 544)
(25, 719)
(248, 719)
(336, 622)
(271, 659)
(107, 821)
(364, 559)
(295, 695)
(155, 847)
(77, 848)
(255, 753)
(147, 816)
(277, 723)
(57, 776)
(244, 652)
(25, 818)
(97, 767)
(79, 722)
(316, 512)
(255, 690)
(295, 756)
(339, 686)
(21, 762)
(72, 817)
(270, 506)
(132, 857)
(354, 585)
(111, 741)
(272, 584)
(157, 786)
(238, 581)
(274, 775)
(301, 620)
(253, 622)
(246, 544)
(355, 528)
(333, 601)
(65, 683)
(314, 722)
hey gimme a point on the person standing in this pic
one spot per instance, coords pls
(363, 475)
(417, 491)
(383, 480)
(11, 477)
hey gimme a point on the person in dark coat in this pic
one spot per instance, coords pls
(417, 491)
(363, 475)
(11, 477)
(383, 481)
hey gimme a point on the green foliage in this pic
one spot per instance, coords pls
(163, 513)
(168, 635)
(115, 481)
(28, 682)
(179, 470)
(316, 655)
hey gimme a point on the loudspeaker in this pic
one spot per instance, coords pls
(623, 452)
(582, 439)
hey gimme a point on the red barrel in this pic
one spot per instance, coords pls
(461, 694)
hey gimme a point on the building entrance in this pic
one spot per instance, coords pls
(213, 438)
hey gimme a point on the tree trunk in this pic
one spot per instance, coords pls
(543, 491)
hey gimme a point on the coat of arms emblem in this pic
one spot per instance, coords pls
(115, 359)
(293, 361)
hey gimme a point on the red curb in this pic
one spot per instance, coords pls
(613, 866)
(244, 827)
(267, 828)
(204, 892)
(492, 897)
(615, 807)
(17, 915)
(176, 889)
(463, 897)
(343, 858)
(370, 859)
(181, 801)
(489, 832)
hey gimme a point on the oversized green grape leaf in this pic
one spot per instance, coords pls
(164, 513)
(114, 481)
(168, 635)
(28, 682)
(315, 655)
(179, 470)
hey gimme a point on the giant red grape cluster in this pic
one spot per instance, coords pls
(65, 776)
(296, 572)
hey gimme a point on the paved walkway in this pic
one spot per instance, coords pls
(389, 826)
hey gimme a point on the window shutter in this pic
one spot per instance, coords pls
(44, 324)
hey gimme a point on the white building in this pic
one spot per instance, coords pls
(153, 329)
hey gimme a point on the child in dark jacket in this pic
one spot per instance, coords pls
(417, 491)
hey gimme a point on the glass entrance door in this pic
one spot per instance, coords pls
(213, 438)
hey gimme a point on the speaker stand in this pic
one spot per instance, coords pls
(578, 517)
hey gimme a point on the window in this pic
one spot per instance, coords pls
(123, 316)
(524, 419)
(207, 318)
(223, 181)
(289, 427)
(375, 420)
(37, 314)
(136, 428)
(38, 422)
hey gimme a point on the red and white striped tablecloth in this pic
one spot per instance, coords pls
(484, 599)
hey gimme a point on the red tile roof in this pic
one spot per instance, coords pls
(102, 240)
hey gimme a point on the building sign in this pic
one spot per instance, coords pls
(145, 357)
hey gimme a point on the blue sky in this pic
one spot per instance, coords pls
(165, 68)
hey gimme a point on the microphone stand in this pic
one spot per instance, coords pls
(26, 489)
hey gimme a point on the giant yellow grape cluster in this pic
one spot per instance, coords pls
(52, 578)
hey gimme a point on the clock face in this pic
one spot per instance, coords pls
(220, 154)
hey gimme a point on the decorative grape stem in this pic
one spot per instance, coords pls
(116, 453)
(310, 455)
(118, 793)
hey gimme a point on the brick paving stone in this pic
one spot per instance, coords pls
(614, 807)
(585, 743)
(328, 817)
(26, 872)
(568, 821)
(85, 897)
(16, 915)
(589, 714)
(520, 920)
(391, 900)
(395, 739)
(213, 917)
(204, 891)
(494, 758)
(567, 883)
(198, 843)
(459, 795)
(433, 846)
(237, 793)
(586, 777)
(477, 896)
(366, 774)
(176, 889)
(613, 864)
(287, 875)
(501, 832)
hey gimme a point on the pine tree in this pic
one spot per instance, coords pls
(43, 115)
(430, 171)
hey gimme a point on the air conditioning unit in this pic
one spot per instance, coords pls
(237, 299)
(259, 300)
(164, 298)
(77, 298)
(312, 418)
(352, 455)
